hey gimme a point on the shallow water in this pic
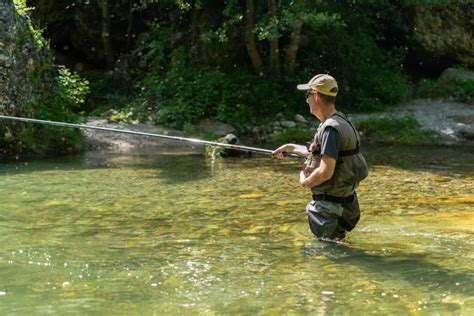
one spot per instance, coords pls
(154, 234)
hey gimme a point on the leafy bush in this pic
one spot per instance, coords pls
(72, 87)
(457, 90)
(186, 95)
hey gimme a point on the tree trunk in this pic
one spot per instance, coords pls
(204, 24)
(105, 34)
(293, 48)
(251, 42)
(274, 45)
(130, 24)
(195, 24)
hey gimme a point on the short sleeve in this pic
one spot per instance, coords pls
(330, 143)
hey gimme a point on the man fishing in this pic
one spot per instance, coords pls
(334, 166)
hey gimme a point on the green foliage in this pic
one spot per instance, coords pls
(21, 7)
(57, 96)
(403, 130)
(456, 90)
(186, 95)
(154, 51)
(45, 140)
(183, 96)
(291, 135)
(103, 95)
(195, 62)
(209, 136)
(72, 87)
(369, 77)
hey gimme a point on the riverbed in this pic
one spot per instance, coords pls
(180, 233)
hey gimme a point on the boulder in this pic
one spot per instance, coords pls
(457, 74)
(288, 124)
(466, 131)
(279, 116)
(300, 119)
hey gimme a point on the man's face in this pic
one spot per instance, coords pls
(311, 100)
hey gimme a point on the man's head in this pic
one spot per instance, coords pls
(324, 85)
(321, 93)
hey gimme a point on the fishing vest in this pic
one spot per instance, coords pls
(351, 167)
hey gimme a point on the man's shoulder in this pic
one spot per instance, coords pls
(331, 133)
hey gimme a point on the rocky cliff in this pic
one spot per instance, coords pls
(445, 31)
(19, 57)
(28, 86)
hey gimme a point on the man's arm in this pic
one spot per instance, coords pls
(329, 154)
(300, 150)
(321, 174)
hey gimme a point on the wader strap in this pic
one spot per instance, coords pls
(335, 199)
(351, 152)
(354, 151)
(342, 153)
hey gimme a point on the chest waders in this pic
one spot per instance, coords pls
(335, 208)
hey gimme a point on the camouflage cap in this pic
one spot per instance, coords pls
(322, 83)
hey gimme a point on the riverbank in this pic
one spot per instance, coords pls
(438, 122)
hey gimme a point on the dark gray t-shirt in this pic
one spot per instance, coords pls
(330, 142)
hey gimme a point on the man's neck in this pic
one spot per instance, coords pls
(327, 111)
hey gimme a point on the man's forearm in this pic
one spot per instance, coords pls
(314, 179)
(300, 150)
(321, 174)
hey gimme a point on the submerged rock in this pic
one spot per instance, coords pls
(214, 151)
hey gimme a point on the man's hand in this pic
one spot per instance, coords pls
(299, 150)
(302, 180)
(280, 151)
(321, 174)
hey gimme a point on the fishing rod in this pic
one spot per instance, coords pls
(125, 131)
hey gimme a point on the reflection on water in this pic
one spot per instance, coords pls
(174, 234)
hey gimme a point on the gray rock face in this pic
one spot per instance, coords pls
(15, 61)
(22, 72)
(446, 31)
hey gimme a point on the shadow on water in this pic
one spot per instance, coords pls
(174, 168)
(413, 268)
(436, 158)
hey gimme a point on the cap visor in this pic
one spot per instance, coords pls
(303, 86)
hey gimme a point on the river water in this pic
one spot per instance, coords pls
(185, 234)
